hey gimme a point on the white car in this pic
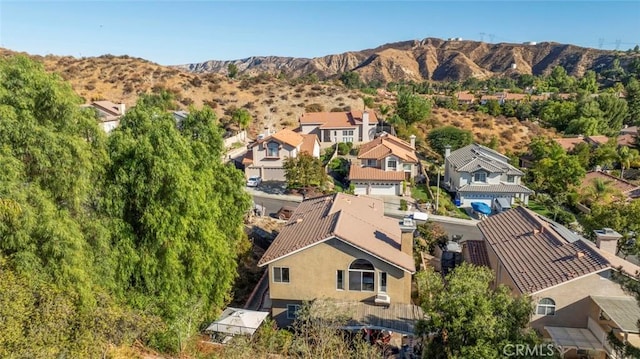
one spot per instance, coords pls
(254, 181)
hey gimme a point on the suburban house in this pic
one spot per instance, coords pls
(569, 143)
(342, 248)
(109, 113)
(383, 164)
(331, 127)
(568, 278)
(465, 98)
(627, 189)
(265, 157)
(476, 173)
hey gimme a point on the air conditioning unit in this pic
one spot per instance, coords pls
(382, 299)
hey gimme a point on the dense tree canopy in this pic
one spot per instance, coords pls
(304, 171)
(449, 135)
(106, 241)
(412, 108)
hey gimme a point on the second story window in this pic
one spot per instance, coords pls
(480, 177)
(511, 179)
(281, 274)
(406, 167)
(361, 276)
(273, 149)
(392, 165)
(347, 136)
(546, 306)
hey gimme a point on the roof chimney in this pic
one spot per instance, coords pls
(580, 254)
(365, 127)
(413, 141)
(447, 151)
(607, 239)
(122, 107)
(408, 227)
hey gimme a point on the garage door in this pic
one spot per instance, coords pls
(360, 188)
(384, 189)
(273, 174)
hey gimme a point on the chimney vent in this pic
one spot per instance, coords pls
(413, 141)
(580, 255)
(447, 151)
(299, 220)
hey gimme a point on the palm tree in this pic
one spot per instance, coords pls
(627, 157)
(599, 190)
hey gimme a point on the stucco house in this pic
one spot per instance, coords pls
(383, 164)
(265, 157)
(568, 278)
(332, 127)
(476, 173)
(342, 248)
(109, 113)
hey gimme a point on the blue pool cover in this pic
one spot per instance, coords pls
(481, 207)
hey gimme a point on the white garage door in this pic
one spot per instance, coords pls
(388, 189)
(360, 188)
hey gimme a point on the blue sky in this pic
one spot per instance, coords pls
(177, 32)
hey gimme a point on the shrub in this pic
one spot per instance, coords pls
(344, 148)
(403, 205)
(314, 107)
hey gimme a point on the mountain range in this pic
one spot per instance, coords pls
(431, 59)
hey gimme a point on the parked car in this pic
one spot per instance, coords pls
(254, 181)
(285, 212)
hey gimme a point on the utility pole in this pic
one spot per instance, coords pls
(438, 191)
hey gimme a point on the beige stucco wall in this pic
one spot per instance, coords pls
(313, 275)
(502, 276)
(260, 152)
(573, 304)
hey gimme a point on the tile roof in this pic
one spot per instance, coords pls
(568, 143)
(108, 106)
(621, 185)
(248, 158)
(308, 141)
(337, 119)
(631, 130)
(476, 253)
(357, 172)
(385, 145)
(290, 137)
(488, 157)
(495, 188)
(356, 220)
(536, 252)
(465, 96)
(627, 140)
(515, 96)
(598, 140)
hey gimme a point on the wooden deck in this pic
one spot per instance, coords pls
(398, 318)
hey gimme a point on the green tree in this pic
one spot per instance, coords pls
(176, 233)
(162, 99)
(606, 154)
(560, 80)
(589, 82)
(448, 135)
(555, 175)
(304, 171)
(632, 91)
(558, 114)
(351, 80)
(368, 102)
(469, 319)
(232, 70)
(412, 108)
(627, 157)
(493, 108)
(241, 117)
(614, 111)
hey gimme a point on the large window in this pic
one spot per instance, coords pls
(546, 306)
(372, 163)
(406, 167)
(292, 311)
(480, 177)
(383, 282)
(511, 178)
(273, 149)
(281, 275)
(361, 276)
(347, 136)
(340, 279)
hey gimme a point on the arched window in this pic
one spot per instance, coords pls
(273, 148)
(361, 276)
(546, 306)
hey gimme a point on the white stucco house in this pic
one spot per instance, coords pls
(476, 173)
(108, 113)
(265, 157)
(382, 165)
(332, 127)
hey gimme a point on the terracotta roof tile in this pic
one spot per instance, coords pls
(598, 140)
(537, 252)
(357, 220)
(248, 158)
(476, 253)
(308, 141)
(621, 185)
(627, 140)
(286, 135)
(357, 172)
(385, 145)
(336, 119)
(568, 143)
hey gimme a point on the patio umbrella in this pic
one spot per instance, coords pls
(237, 321)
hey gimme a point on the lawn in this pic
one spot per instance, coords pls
(539, 208)
(419, 193)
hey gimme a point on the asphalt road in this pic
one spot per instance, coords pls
(272, 205)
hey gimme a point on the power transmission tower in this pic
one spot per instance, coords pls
(482, 36)
(618, 43)
(600, 42)
(491, 36)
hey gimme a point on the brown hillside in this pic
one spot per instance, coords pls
(272, 102)
(431, 59)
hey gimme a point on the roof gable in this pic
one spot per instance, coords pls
(537, 252)
(358, 221)
(483, 157)
(385, 145)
